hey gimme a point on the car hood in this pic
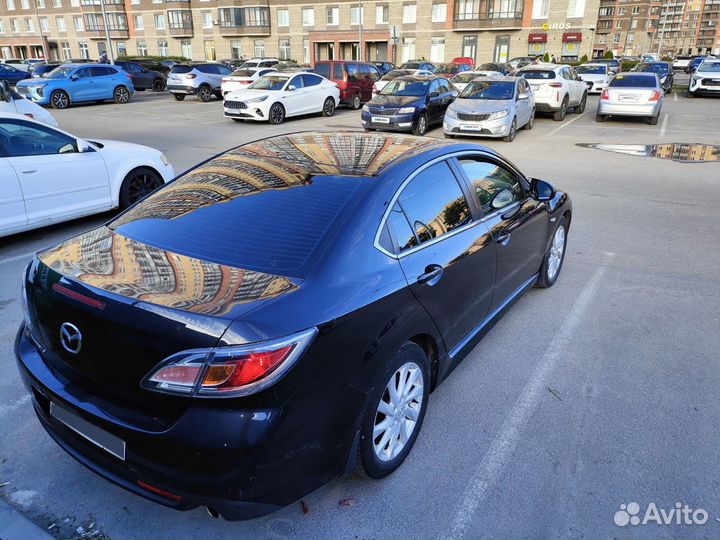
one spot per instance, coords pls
(708, 74)
(592, 77)
(481, 106)
(250, 93)
(123, 148)
(35, 81)
(393, 101)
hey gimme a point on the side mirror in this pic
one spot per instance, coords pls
(433, 94)
(74, 77)
(523, 95)
(291, 87)
(83, 146)
(541, 190)
(5, 92)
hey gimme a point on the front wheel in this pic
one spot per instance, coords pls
(421, 125)
(689, 94)
(559, 116)
(395, 412)
(60, 100)
(328, 107)
(277, 114)
(138, 184)
(554, 257)
(355, 103)
(510, 137)
(158, 85)
(121, 95)
(581, 108)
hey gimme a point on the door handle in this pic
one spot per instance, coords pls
(503, 239)
(433, 273)
(28, 171)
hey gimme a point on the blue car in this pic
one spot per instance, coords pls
(411, 103)
(11, 74)
(75, 83)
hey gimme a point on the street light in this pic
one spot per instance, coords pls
(662, 32)
(42, 36)
(108, 41)
(360, 31)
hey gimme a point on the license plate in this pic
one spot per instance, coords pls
(107, 441)
(630, 99)
(470, 127)
(175, 77)
(380, 120)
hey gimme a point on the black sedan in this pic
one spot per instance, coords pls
(41, 69)
(412, 103)
(12, 74)
(142, 77)
(664, 71)
(278, 315)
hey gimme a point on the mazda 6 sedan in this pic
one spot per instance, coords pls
(278, 315)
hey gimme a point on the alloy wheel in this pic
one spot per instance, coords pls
(421, 125)
(356, 102)
(141, 185)
(60, 100)
(205, 94)
(557, 248)
(398, 411)
(329, 107)
(122, 95)
(277, 114)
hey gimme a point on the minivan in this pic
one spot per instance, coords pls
(354, 79)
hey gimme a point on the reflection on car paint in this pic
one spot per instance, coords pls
(681, 152)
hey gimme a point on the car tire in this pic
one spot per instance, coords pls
(531, 121)
(510, 137)
(237, 120)
(448, 135)
(689, 94)
(59, 99)
(381, 451)
(137, 184)
(554, 257)
(205, 93)
(158, 85)
(599, 117)
(328, 107)
(178, 97)
(121, 95)
(559, 116)
(653, 120)
(276, 115)
(581, 108)
(421, 125)
(355, 102)
(368, 129)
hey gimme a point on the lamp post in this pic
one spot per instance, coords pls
(360, 31)
(108, 41)
(42, 36)
(662, 32)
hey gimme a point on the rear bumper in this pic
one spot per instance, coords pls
(547, 105)
(242, 462)
(182, 89)
(629, 110)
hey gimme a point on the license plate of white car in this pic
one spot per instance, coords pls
(630, 99)
(470, 127)
(380, 120)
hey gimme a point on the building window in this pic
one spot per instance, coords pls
(210, 50)
(207, 19)
(139, 23)
(439, 13)
(408, 49)
(606, 11)
(618, 24)
(14, 25)
(357, 16)
(636, 10)
(66, 52)
(259, 48)
(284, 48)
(409, 14)
(24, 4)
(40, 4)
(283, 17)
(333, 16)
(29, 26)
(121, 48)
(382, 14)
(180, 19)
(633, 24)
(244, 17)
(44, 25)
(437, 49)
(308, 17)
(84, 50)
(74, 3)
(469, 47)
(616, 39)
(236, 51)
(11, 5)
(60, 22)
(306, 51)
(186, 48)
(163, 49)
(160, 22)
(541, 8)
(630, 37)
(142, 48)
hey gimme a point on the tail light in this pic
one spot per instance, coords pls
(374, 90)
(190, 76)
(345, 77)
(655, 96)
(555, 85)
(226, 79)
(228, 371)
(605, 95)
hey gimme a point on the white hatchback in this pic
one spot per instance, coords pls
(48, 176)
(276, 96)
(12, 102)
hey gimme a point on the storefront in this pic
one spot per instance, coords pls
(571, 46)
(536, 44)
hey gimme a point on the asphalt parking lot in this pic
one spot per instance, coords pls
(598, 392)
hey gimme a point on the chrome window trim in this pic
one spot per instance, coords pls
(475, 222)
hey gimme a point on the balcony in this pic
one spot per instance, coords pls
(486, 17)
(98, 32)
(239, 21)
(180, 23)
(229, 29)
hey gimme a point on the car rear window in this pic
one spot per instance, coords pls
(633, 81)
(181, 69)
(246, 214)
(323, 69)
(538, 74)
(243, 73)
(338, 71)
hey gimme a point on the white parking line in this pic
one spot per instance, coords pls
(489, 470)
(674, 96)
(24, 256)
(566, 124)
(663, 127)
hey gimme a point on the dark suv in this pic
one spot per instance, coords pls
(142, 77)
(201, 79)
(354, 79)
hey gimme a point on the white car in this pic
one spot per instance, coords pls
(254, 63)
(241, 78)
(394, 74)
(557, 88)
(48, 176)
(17, 63)
(276, 96)
(12, 102)
(705, 79)
(596, 76)
(461, 80)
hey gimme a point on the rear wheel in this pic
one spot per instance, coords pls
(138, 184)
(395, 412)
(448, 135)
(355, 103)
(421, 125)
(179, 97)
(59, 99)
(559, 116)
(599, 117)
(510, 137)
(653, 120)
(328, 107)
(554, 257)
(531, 121)
(121, 95)
(158, 85)
(205, 93)
(277, 114)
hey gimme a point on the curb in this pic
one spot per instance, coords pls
(15, 526)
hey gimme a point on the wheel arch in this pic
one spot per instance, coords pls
(118, 178)
(430, 346)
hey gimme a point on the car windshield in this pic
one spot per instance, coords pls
(247, 65)
(488, 90)
(465, 77)
(633, 81)
(60, 72)
(538, 74)
(489, 67)
(405, 88)
(243, 73)
(269, 83)
(654, 68)
(709, 66)
(394, 74)
(446, 68)
(411, 65)
(592, 70)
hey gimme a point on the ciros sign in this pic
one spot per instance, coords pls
(556, 26)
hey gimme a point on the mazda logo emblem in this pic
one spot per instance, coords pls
(70, 338)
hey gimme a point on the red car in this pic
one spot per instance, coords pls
(354, 79)
(450, 70)
(464, 60)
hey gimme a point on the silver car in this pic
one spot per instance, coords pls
(201, 79)
(491, 107)
(632, 94)
(596, 76)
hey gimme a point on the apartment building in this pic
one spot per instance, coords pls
(689, 27)
(305, 31)
(626, 27)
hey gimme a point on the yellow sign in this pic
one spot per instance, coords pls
(545, 27)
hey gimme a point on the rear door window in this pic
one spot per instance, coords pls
(338, 72)
(181, 69)
(310, 80)
(353, 72)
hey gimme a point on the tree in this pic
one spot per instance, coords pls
(609, 55)
(546, 57)
(584, 59)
